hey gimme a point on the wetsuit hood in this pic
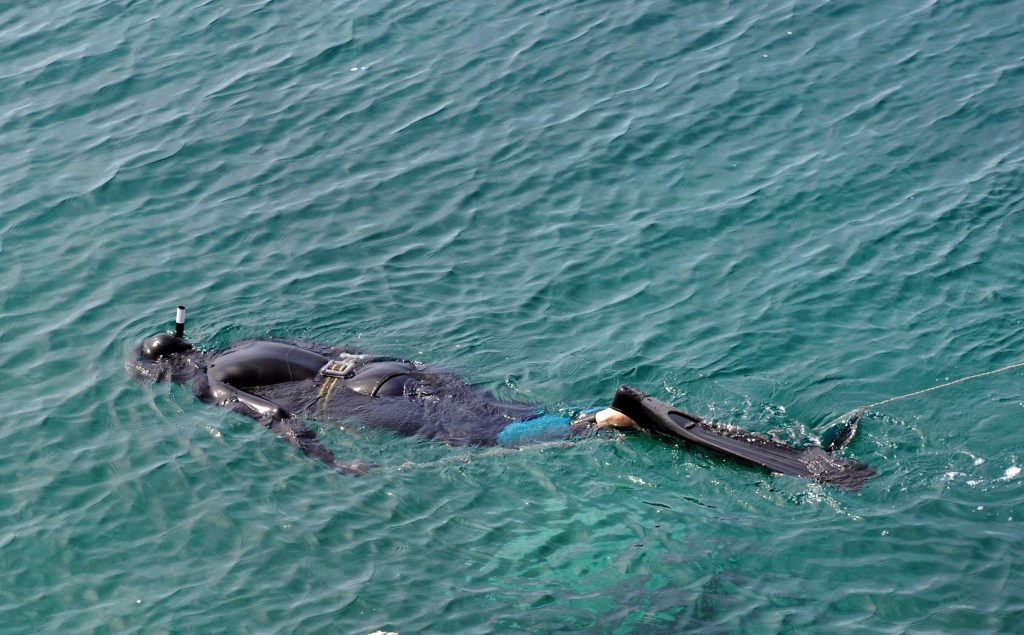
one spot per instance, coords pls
(163, 345)
(166, 356)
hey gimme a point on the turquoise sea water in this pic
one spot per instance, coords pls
(767, 212)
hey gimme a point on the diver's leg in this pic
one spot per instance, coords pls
(554, 427)
(546, 427)
(609, 418)
(606, 418)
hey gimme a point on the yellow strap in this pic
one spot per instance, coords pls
(329, 384)
(329, 390)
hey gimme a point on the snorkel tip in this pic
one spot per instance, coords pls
(179, 321)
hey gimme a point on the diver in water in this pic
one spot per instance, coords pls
(279, 383)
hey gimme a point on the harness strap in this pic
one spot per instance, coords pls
(342, 367)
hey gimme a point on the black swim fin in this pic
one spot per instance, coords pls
(811, 462)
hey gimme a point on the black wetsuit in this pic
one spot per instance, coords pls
(280, 383)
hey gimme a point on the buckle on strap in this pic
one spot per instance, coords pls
(342, 368)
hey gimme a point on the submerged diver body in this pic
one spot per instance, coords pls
(279, 383)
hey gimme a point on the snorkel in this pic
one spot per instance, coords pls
(166, 355)
(179, 321)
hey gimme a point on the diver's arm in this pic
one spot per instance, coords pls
(299, 436)
(259, 407)
(224, 394)
(279, 420)
(291, 430)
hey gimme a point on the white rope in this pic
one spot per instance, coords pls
(944, 385)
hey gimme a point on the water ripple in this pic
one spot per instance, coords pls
(771, 213)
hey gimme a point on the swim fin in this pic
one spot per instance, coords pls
(811, 462)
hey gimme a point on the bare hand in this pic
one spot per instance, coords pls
(355, 468)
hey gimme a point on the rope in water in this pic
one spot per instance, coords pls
(938, 387)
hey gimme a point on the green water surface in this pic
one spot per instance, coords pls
(767, 212)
